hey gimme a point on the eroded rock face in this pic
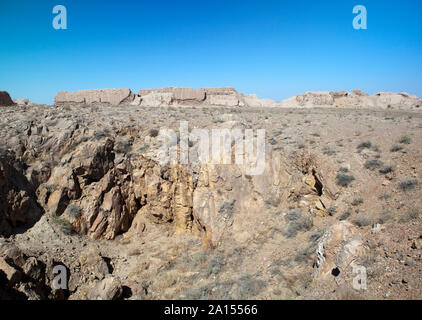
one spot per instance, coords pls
(337, 249)
(92, 183)
(354, 99)
(94, 97)
(18, 205)
(5, 99)
(162, 97)
(227, 97)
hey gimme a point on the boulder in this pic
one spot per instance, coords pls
(5, 99)
(110, 288)
(337, 250)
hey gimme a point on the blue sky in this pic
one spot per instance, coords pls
(276, 49)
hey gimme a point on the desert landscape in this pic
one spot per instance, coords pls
(335, 214)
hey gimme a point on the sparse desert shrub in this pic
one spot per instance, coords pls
(328, 151)
(293, 215)
(386, 169)
(410, 215)
(364, 145)
(62, 224)
(362, 220)
(384, 217)
(248, 287)
(297, 222)
(97, 135)
(408, 184)
(376, 148)
(304, 255)
(153, 133)
(357, 202)
(405, 140)
(215, 265)
(396, 148)
(272, 201)
(332, 211)
(343, 179)
(73, 210)
(373, 164)
(215, 291)
(384, 196)
(315, 236)
(201, 293)
(345, 215)
(343, 169)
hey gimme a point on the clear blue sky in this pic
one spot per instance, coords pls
(276, 49)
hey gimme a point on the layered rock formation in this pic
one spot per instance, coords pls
(229, 97)
(18, 203)
(226, 97)
(170, 96)
(354, 99)
(94, 97)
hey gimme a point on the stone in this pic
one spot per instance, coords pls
(5, 99)
(18, 204)
(110, 288)
(34, 269)
(13, 276)
(340, 245)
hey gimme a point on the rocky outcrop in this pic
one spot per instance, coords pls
(18, 205)
(252, 100)
(94, 97)
(5, 99)
(161, 97)
(227, 97)
(338, 248)
(354, 99)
